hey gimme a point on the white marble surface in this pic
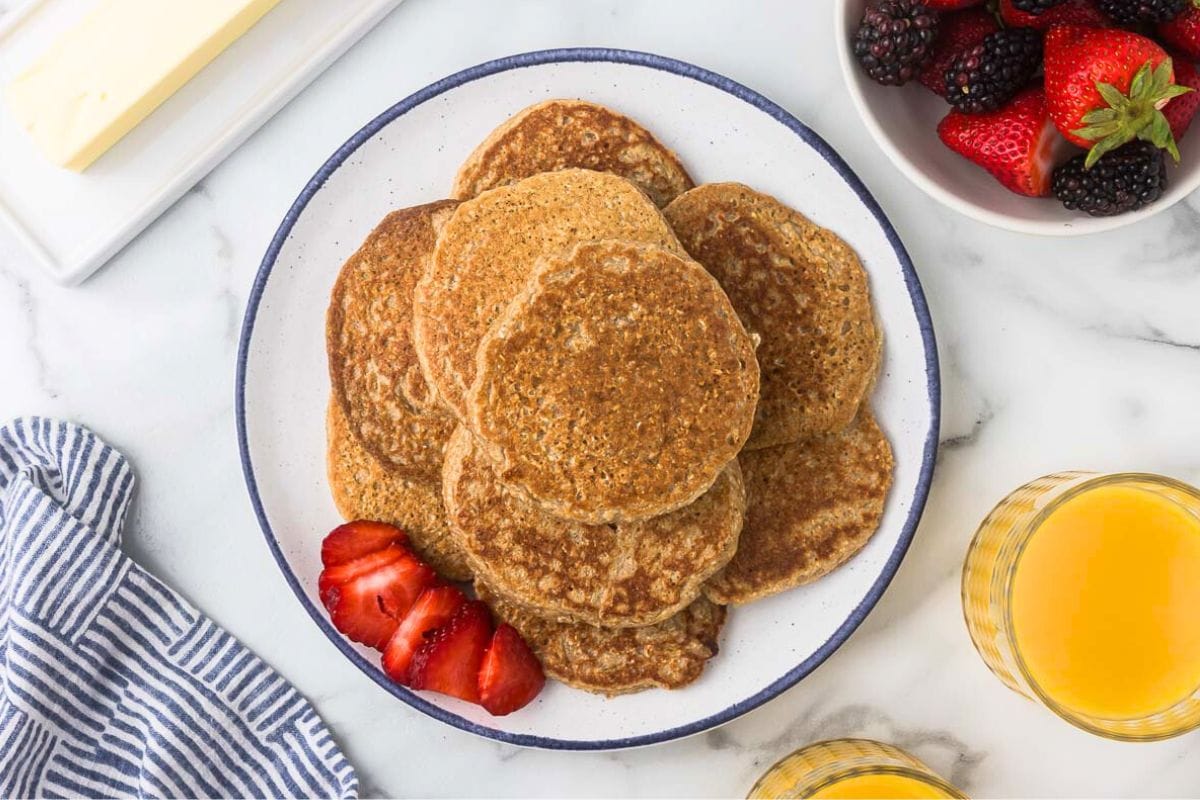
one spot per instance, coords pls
(1075, 353)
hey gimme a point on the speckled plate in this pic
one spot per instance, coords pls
(408, 155)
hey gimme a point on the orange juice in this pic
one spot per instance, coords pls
(851, 768)
(880, 785)
(1106, 603)
(1082, 592)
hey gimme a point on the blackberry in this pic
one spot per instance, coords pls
(1126, 179)
(1035, 7)
(894, 39)
(989, 74)
(1131, 12)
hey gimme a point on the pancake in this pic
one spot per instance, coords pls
(809, 507)
(489, 246)
(373, 368)
(614, 661)
(616, 386)
(557, 134)
(802, 290)
(624, 575)
(364, 488)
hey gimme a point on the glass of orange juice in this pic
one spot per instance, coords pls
(851, 768)
(1082, 591)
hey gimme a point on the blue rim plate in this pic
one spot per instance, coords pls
(925, 339)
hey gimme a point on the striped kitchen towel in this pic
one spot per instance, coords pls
(110, 684)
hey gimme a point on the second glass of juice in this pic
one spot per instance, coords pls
(851, 769)
(1082, 591)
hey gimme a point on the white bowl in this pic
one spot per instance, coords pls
(903, 121)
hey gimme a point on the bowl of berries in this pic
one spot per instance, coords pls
(1054, 117)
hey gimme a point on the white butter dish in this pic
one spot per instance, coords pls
(74, 222)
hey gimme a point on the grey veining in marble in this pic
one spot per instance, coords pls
(1056, 354)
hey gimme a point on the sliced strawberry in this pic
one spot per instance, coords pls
(1180, 111)
(510, 675)
(1016, 143)
(357, 539)
(449, 661)
(368, 597)
(432, 610)
(956, 33)
(1072, 12)
(1183, 32)
(334, 577)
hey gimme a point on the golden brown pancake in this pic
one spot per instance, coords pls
(365, 488)
(616, 386)
(376, 378)
(614, 661)
(810, 506)
(630, 574)
(802, 290)
(488, 248)
(557, 134)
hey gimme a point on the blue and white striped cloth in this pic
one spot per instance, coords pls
(110, 684)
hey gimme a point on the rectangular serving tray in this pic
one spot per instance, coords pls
(74, 222)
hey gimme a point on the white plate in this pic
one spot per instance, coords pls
(74, 222)
(408, 155)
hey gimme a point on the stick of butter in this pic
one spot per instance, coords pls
(99, 79)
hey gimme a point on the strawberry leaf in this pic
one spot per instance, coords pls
(1097, 132)
(1171, 92)
(1137, 115)
(1137, 86)
(1100, 115)
(1164, 74)
(1105, 145)
(1112, 95)
(1158, 133)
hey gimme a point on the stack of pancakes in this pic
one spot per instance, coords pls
(615, 401)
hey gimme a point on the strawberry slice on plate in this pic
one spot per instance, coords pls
(433, 609)
(1016, 143)
(378, 593)
(510, 675)
(356, 539)
(449, 661)
(334, 577)
(1106, 87)
(367, 597)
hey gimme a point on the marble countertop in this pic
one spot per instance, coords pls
(1080, 353)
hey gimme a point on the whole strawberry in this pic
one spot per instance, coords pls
(1106, 86)
(1015, 143)
(1180, 111)
(1070, 12)
(1183, 32)
(959, 32)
